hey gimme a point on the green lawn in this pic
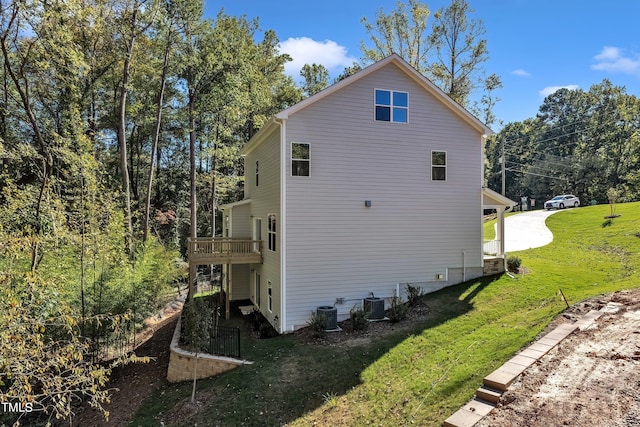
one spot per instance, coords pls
(423, 375)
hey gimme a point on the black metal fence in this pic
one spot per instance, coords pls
(105, 344)
(224, 341)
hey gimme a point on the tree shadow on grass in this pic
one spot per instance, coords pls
(290, 378)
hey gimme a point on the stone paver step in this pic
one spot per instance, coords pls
(500, 379)
(588, 319)
(488, 394)
(463, 418)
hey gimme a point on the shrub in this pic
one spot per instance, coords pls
(318, 323)
(513, 263)
(398, 310)
(414, 293)
(259, 324)
(358, 318)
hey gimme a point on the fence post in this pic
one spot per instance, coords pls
(238, 335)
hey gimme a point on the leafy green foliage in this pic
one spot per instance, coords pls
(414, 295)
(581, 142)
(316, 78)
(44, 356)
(397, 310)
(513, 263)
(318, 323)
(450, 51)
(359, 318)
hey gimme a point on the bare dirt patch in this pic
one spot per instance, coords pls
(592, 378)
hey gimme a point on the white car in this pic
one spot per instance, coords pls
(561, 202)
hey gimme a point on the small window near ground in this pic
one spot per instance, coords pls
(438, 165)
(300, 159)
(272, 232)
(391, 106)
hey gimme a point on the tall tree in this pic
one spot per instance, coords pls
(20, 55)
(348, 71)
(167, 25)
(316, 78)
(451, 52)
(484, 108)
(461, 51)
(404, 32)
(134, 23)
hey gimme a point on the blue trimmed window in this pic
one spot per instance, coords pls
(391, 106)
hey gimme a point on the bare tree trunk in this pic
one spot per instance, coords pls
(156, 135)
(193, 230)
(122, 140)
(22, 86)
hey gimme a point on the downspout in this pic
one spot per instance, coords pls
(464, 267)
(283, 221)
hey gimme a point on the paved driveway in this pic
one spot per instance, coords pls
(527, 230)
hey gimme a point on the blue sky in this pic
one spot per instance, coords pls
(536, 46)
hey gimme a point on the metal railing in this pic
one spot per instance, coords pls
(105, 345)
(224, 341)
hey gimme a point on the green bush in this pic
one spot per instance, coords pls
(414, 294)
(513, 263)
(358, 318)
(398, 310)
(318, 323)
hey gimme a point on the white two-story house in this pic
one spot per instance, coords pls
(371, 184)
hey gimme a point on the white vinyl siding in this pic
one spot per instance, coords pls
(415, 228)
(265, 200)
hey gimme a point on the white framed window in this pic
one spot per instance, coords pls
(300, 159)
(438, 165)
(272, 232)
(270, 295)
(391, 106)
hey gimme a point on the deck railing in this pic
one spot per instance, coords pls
(491, 247)
(222, 250)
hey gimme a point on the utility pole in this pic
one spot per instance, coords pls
(502, 161)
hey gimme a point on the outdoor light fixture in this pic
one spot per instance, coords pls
(367, 203)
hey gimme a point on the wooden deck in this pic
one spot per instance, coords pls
(208, 250)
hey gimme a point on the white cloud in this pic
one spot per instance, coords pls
(551, 89)
(521, 72)
(304, 50)
(613, 59)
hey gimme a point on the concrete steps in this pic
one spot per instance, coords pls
(497, 382)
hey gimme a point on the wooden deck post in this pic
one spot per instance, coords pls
(227, 296)
(192, 279)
